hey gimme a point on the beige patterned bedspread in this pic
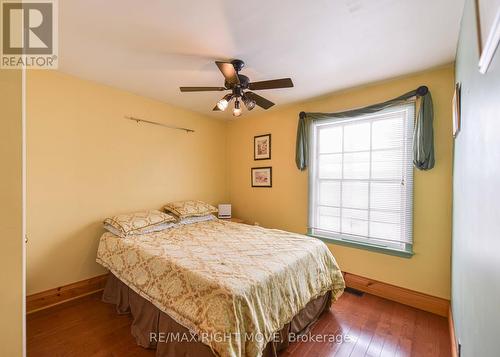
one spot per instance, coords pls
(232, 284)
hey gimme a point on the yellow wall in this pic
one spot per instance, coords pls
(11, 213)
(85, 162)
(285, 205)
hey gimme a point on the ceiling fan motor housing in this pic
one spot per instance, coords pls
(237, 88)
(237, 91)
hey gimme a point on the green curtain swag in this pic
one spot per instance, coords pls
(423, 138)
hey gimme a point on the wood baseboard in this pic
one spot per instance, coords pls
(65, 293)
(404, 296)
(453, 339)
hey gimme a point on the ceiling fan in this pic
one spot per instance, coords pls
(240, 87)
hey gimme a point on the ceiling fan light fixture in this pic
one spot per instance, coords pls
(249, 103)
(236, 112)
(224, 102)
(237, 108)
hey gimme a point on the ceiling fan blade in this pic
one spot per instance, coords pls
(272, 84)
(260, 101)
(201, 89)
(228, 72)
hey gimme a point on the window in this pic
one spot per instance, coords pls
(361, 179)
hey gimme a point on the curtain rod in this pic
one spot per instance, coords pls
(138, 120)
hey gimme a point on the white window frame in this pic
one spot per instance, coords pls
(398, 248)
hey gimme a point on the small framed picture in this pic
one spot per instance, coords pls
(262, 176)
(262, 147)
(456, 110)
(488, 31)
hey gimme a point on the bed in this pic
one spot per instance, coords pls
(219, 288)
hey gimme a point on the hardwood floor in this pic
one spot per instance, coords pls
(361, 326)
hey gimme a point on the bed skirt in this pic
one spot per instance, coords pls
(150, 326)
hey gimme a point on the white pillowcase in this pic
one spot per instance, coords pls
(147, 230)
(196, 219)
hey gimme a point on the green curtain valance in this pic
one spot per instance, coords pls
(423, 138)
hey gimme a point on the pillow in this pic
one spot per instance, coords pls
(138, 222)
(196, 219)
(147, 230)
(183, 209)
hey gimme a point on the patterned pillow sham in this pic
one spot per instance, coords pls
(138, 222)
(191, 208)
(196, 219)
(146, 230)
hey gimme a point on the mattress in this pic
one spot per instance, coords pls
(233, 285)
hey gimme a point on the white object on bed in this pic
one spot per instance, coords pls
(190, 220)
(155, 228)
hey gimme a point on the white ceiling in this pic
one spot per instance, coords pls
(153, 47)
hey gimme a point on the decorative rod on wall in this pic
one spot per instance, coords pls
(138, 120)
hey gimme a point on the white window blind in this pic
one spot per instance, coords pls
(361, 178)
